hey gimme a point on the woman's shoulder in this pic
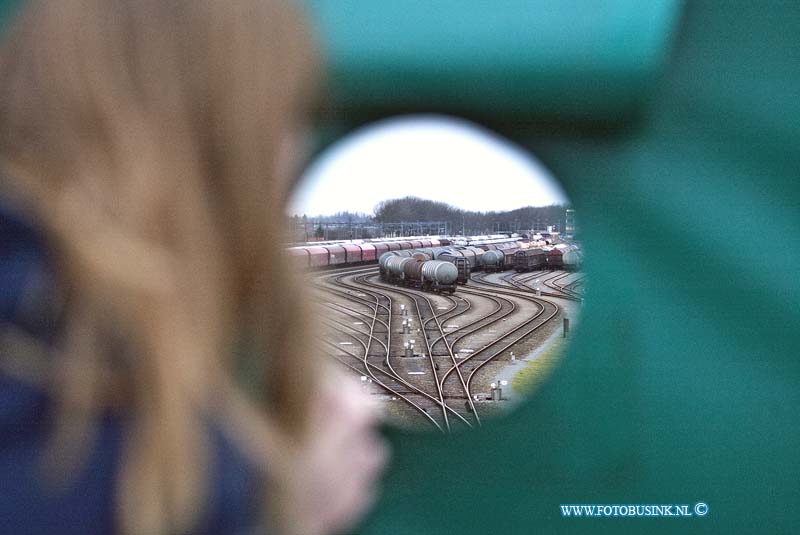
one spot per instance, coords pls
(26, 280)
(28, 290)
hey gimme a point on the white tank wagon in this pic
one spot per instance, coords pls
(443, 273)
(493, 260)
(439, 251)
(458, 259)
(382, 262)
(572, 258)
(394, 267)
(431, 275)
(421, 256)
(430, 251)
(388, 254)
(385, 256)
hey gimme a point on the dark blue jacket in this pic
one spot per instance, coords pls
(87, 506)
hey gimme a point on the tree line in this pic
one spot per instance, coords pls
(472, 222)
(355, 225)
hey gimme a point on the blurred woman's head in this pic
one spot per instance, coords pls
(149, 139)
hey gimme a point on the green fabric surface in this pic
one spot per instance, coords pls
(593, 60)
(681, 383)
(8, 8)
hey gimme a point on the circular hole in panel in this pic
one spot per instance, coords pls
(445, 265)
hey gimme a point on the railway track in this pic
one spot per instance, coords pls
(364, 314)
(425, 311)
(567, 287)
(545, 311)
(549, 279)
(429, 405)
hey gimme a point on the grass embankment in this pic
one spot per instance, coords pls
(537, 370)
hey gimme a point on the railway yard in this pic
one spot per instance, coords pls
(438, 359)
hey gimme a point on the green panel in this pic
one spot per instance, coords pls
(8, 9)
(513, 59)
(683, 380)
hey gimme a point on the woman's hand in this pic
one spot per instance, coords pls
(336, 475)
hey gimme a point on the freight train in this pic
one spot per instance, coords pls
(419, 271)
(465, 259)
(323, 254)
(446, 254)
(563, 256)
(489, 255)
(500, 258)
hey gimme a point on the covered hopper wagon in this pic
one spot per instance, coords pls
(529, 260)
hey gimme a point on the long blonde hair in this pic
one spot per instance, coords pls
(146, 139)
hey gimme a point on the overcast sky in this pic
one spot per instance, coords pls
(434, 158)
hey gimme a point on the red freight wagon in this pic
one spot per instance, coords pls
(380, 248)
(554, 260)
(298, 258)
(368, 252)
(317, 256)
(338, 255)
(353, 253)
